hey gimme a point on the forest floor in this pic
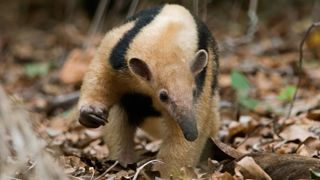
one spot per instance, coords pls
(42, 68)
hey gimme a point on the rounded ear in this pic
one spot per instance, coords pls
(199, 62)
(140, 68)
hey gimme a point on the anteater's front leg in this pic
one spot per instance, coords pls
(96, 94)
(176, 152)
(118, 136)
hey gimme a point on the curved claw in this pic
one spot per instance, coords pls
(92, 116)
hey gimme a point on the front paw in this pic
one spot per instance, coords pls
(93, 115)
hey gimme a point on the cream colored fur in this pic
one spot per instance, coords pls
(167, 45)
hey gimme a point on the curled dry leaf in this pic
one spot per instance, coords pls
(226, 149)
(314, 115)
(248, 168)
(235, 128)
(284, 166)
(310, 147)
(75, 66)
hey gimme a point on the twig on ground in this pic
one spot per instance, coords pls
(33, 164)
(316, 24)
(276, 128)
(144, 165)
(92, 176)
(105, 173)
(63, 101)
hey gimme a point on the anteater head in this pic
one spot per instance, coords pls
(172, 81)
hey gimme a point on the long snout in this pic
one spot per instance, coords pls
(188, 126)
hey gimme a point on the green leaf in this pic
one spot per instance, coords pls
(36, 69)
(240, 83)
(314, 174)
(249, 103)
(287, 93)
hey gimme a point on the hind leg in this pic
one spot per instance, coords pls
(118, 135)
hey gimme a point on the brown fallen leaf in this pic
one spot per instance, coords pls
(226, 149)
(123, 174)
(249, 169)
(310, 147)
(295, 132)
(314, 115)
(246, 145)
(287, 148)
(284, 166)
(71, 163)
(222, 176)
(75, 66)
(235, 128)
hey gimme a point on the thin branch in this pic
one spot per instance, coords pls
(252, 13)
(33, 164)
(141, 167)
(96, 22)
(316, 24)
(252, 29)
(204, 10)
(195, 5)
(133, 8)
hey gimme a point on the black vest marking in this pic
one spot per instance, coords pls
(206, 42)
(138, 107)
(143, 18)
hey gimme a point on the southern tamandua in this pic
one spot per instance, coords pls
(161, 63)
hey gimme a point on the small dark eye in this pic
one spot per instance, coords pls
(164, 97)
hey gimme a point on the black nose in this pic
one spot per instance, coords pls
(189, 128)
(191, 136)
